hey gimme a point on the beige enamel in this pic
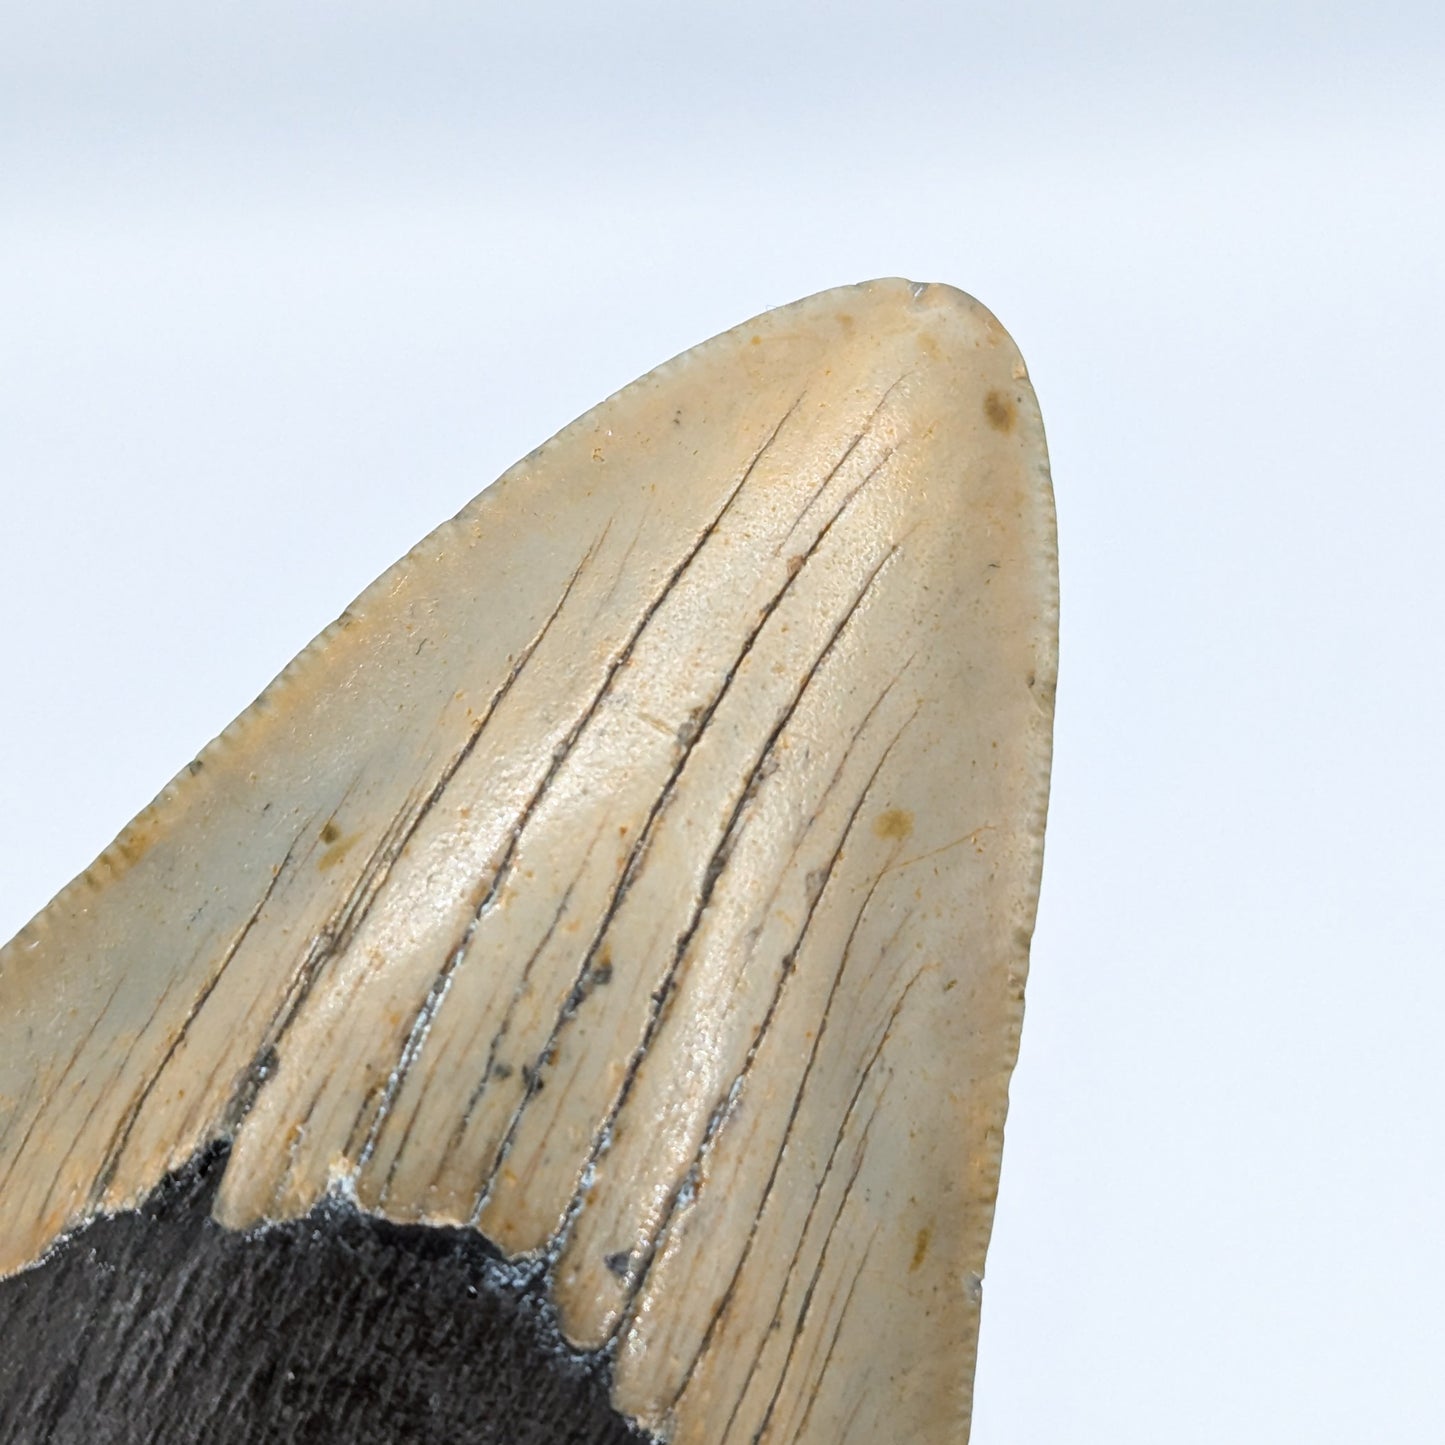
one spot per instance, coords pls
(642, 870)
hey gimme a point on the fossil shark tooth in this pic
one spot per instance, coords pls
(640, 873)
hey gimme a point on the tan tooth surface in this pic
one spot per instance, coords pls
(642, 870)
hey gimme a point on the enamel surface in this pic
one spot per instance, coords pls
(642, 870)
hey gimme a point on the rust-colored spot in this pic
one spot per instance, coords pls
(134, 844)
(894, 823)
(339, 848)
(1002, 411)
(920, 1248)
(757, 340)
(602, 969)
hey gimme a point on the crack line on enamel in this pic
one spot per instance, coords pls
(637, 856)
(715, 867)
(102, 1096)
(341, 928)
(775, 1322)
(863, 432)
(503, 1030)
(725, 1302)
(821, 1372)
(620, 660)
(690, 1185)
(421, 1021)
(122, 1135)
(19, 1151)
(802, 1319)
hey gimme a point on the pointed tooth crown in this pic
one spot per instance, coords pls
(641, 871)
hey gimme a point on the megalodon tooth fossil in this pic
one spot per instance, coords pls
(639, 876)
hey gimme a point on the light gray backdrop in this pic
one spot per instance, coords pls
(283, 284)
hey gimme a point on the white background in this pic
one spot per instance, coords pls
(282, 285)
